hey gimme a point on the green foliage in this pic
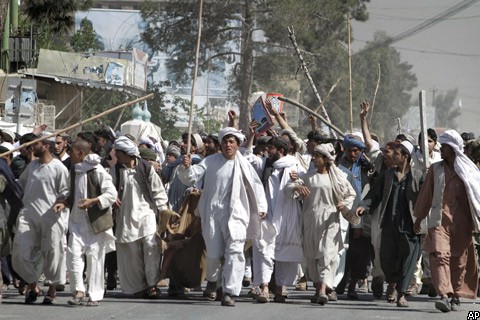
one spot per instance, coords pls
(445, 111)
(52, 20)
(173, 29)
(86, 38)
(396, 81)
(162, 116)
(320, 27)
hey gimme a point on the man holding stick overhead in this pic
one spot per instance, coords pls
(232, 201)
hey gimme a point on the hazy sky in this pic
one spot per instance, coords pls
(445, 56)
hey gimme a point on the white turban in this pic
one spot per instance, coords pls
(126, 145)
(147, 141)
(464, 168)
(408, 146)
(338, 178)
(453, 139)
(230, 131)
(10, 133)
(198, 141)
(7, 145)
(327, 150)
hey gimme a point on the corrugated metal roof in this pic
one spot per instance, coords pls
(82, 83)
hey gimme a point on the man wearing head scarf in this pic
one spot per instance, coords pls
(327, 194)
(450, 201)
(91, 196)
(358, 255)
(393, 196)
(141, 198)
(284, 215)
(230, 207)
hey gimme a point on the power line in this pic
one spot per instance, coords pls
(439, 52)
(428, 23)
(388, 17)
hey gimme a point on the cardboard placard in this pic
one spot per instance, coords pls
(262, 116)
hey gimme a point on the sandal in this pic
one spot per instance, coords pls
(152, 293)
(211, 291)
(32, 295)
(402, 302)
(77, 299)
(91, 303)
(391, 292)
(322, 299)
(254, 292)
(49, 300)
(263, 297)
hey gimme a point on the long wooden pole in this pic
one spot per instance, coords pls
(375, 94)
(303, 65)
(195, 71)
(422, 101)
(307, 109)
(78, 124)
(350, 74)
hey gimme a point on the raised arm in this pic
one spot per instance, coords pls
(280, 120)
(231, 119)
(364, 107)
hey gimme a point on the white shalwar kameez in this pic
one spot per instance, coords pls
(322, 238)
(232, 197)
(82, 240)
(138, 253)
(39, 228)
(285, 244)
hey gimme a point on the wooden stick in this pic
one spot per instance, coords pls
(195, 71)
(78, 124)
(422, 101)
(329, 92)
(350, 74)
(303, 65)
(307, 109)
(375, 95)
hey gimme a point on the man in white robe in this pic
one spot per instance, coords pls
(39, 228)
(92, 194)
(233, 200)
(284, 213)
(141, 197)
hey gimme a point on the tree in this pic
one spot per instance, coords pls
(164, 117)
(3, 13)
(53, 20)
(445, 111)
(246, 29)
(86, 38)
(397, 80)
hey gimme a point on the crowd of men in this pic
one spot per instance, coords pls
(269, 210)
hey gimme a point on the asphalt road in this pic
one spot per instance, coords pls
(194, 306)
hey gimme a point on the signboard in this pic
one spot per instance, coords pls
(261, 115)
(140, 61)
(20, 100)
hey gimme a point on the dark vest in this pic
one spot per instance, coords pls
(100, 219)
(142, 172)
